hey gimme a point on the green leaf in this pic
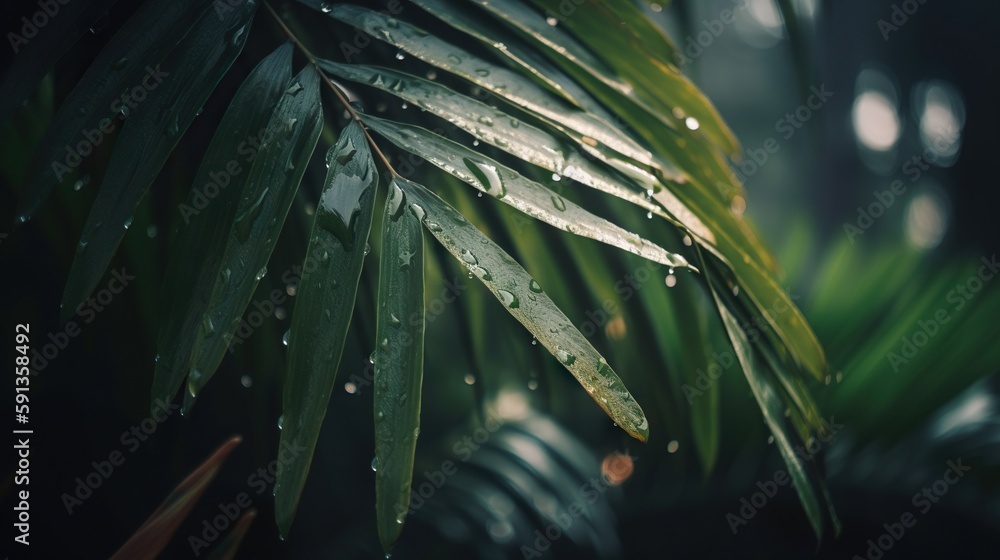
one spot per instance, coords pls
(510, 187)
(466, 18)
(37, 54)
(325, 300)
(768, 397)
(399, 363)
(497, 128)
(587, 129)
(524, 299)
(208, 215)
(95, 104)
(287, 146)
(150, 133)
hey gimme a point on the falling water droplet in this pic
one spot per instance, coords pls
(246, 381)
(534, 341)
(470, 379)
(532, 385)
(286, 337)
(671, 281)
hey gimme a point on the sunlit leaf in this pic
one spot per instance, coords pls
(510, 187)
(524, 299)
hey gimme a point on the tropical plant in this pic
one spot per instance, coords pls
(533, 104)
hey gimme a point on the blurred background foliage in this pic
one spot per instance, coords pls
(895, 96)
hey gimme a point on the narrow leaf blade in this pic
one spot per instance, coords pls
(149, 135)
(325, 300)
(399, 363)
(524, 299)
(208, 216)
(273, 180)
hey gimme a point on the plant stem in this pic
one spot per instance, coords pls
(333, 86)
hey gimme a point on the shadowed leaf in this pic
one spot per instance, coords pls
(272, 182)
(325, 297)
(183, 83)
(194, 263)
(399, 363)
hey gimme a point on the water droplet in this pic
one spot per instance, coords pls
(375, 463)
(393, 320)
(468, 257)
(351, 388)
(558, 203)
(208, 326)
(246, 381)
(649, 215)
(672, 446)
(687, 240)
(470, 379)
(534, 287)
(532, 385)
(454, 59)
(485, 120)
(475, 142)
(418, 211)
(556, 177)
(509, 299)
(286, 337)
(326, 7)
(400, 56)
(128, 222)
(671, 281)
(534, 341)
(434, 227)
(261, 273)
(488, 176)
(565, 357)
(552, 21)
(416, 431)
(371, 357)
(281, 421)
(368, 249)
